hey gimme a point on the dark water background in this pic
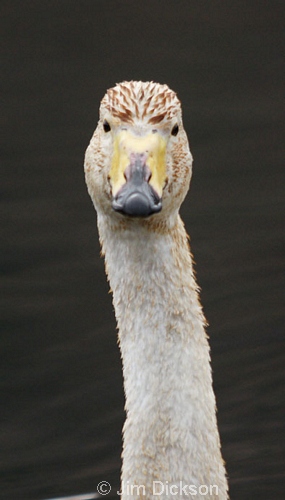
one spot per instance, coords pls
(62, 403)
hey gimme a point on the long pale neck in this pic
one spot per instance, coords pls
(170, 434)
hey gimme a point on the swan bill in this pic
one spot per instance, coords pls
(138, 173)
(137, 198)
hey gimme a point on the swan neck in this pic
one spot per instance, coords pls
(170, 433)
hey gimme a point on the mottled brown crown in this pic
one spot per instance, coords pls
(146, 101)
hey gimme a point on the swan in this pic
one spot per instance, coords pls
(138, 168)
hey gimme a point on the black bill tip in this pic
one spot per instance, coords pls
(137, 204)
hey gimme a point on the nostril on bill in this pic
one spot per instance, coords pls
(137, 171)
(147, 173)
(128, 172)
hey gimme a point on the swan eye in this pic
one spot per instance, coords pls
(106, 126)
(175, 130)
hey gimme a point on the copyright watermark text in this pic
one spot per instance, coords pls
(160, 488)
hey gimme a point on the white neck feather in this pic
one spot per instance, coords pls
(170, 434)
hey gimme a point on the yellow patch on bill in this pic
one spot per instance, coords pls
(154, 148)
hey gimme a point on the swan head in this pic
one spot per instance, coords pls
(138, 164)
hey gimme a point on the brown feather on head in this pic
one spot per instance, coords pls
(147, 101)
